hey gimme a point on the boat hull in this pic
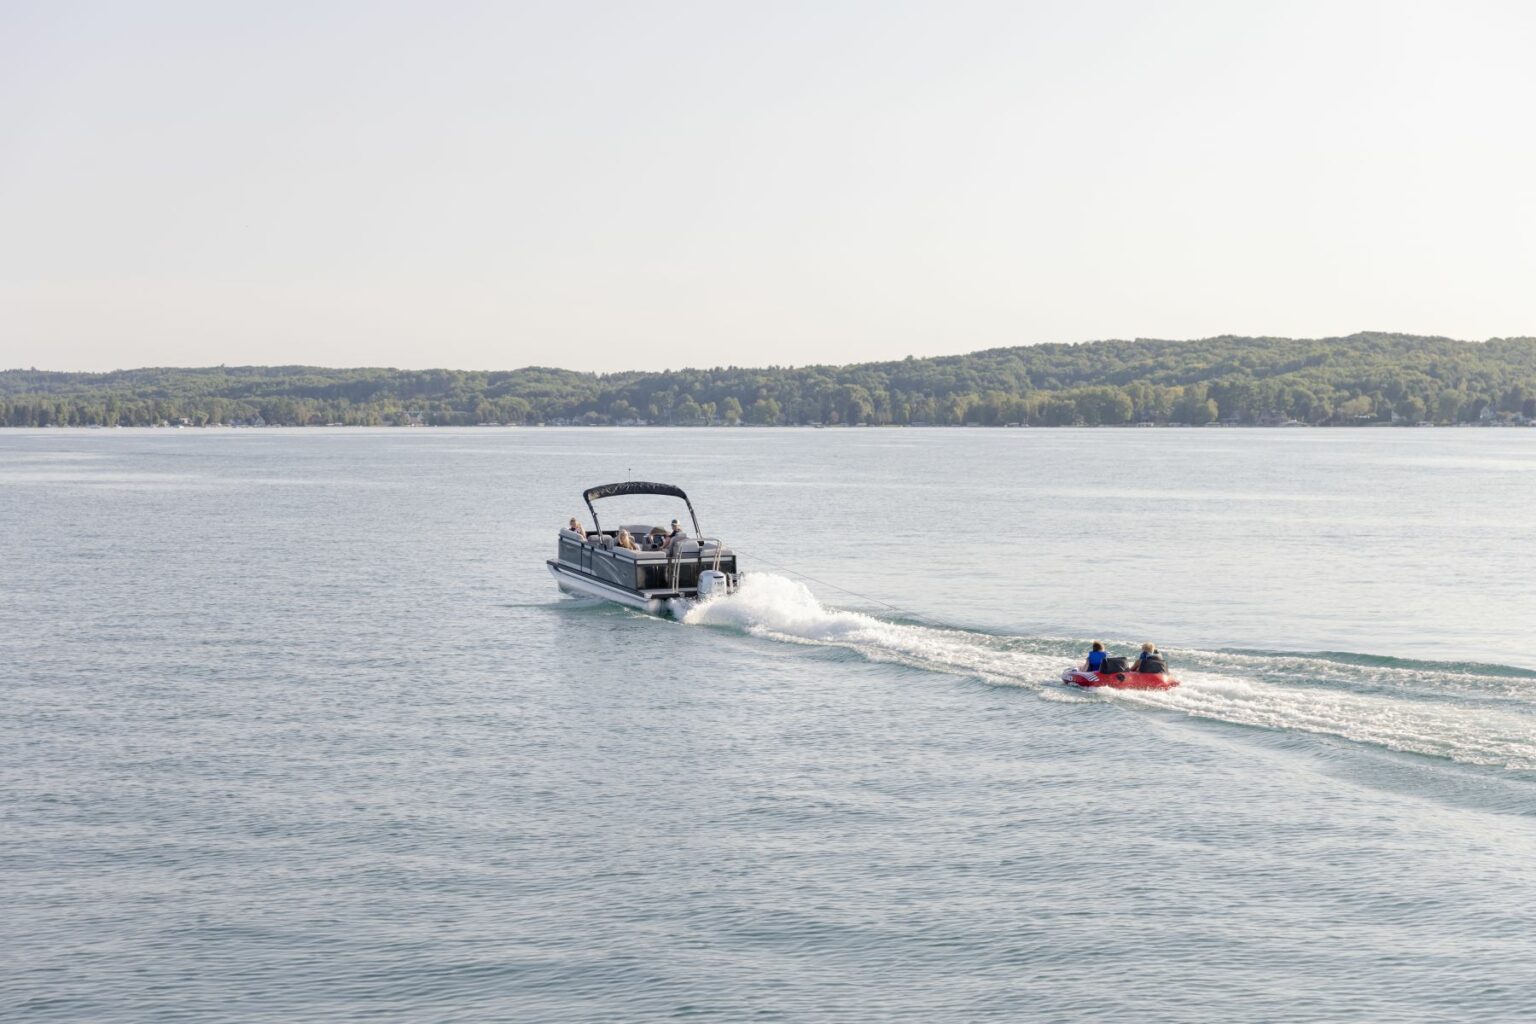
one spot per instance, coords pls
(583, 585)
(1119, 680)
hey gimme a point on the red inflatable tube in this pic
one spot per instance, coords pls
(1119, 680)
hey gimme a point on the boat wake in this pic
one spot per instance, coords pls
(1473, 714)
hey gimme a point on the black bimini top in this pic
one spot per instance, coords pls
(592, 494)
(632, 487)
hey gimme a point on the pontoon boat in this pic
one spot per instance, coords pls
(667, 569)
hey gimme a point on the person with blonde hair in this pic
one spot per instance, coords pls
(1151, 660)
(577, 528)
(626, 541)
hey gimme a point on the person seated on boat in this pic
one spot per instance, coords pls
(575, 528)
(1151, 660)
(1096, 657)
(677, 531)
(626, 541)
(656, 539)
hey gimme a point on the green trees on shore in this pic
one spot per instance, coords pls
(1360, 379)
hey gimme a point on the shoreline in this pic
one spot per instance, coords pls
(1490, 425)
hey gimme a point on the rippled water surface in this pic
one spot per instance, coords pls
(297, 728)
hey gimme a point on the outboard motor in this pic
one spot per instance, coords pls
(712, 583)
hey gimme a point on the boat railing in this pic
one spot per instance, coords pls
(675, 558)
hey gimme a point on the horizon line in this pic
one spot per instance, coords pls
(772, 366)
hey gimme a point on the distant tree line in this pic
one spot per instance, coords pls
(1360, 379)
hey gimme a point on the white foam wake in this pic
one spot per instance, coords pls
(1470, 733)
(783, 609)
(1285, 692)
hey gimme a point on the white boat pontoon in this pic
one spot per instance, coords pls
(666, 570)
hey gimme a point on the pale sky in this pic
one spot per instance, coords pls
(616, 186)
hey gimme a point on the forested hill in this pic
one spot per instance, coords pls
(1363, 378)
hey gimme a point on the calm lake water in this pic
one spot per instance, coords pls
(297, 728)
